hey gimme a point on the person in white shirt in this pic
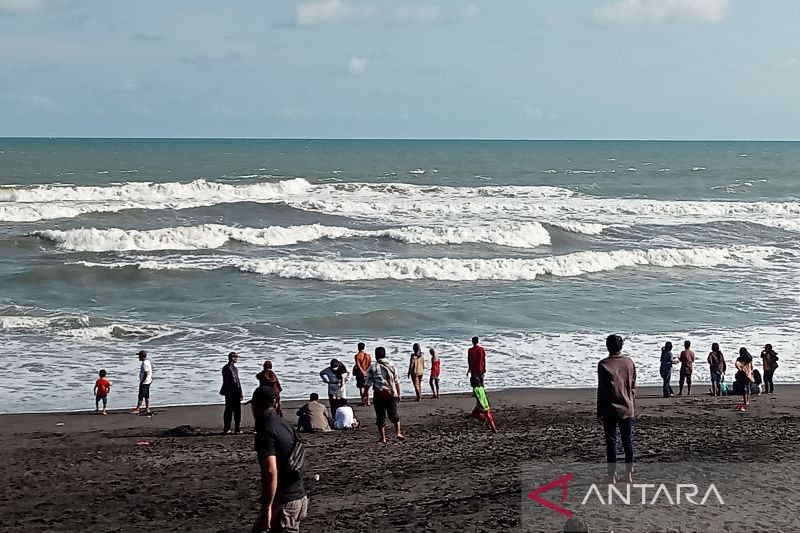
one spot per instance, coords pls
(345, 419)
(145, 379)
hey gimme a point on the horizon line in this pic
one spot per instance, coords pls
(455, 139)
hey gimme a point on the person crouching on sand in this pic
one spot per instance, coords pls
(436, 370)
(482, 410)
(382, 377)
(416, 370)
(744, 376)
(616, 385)
(101, 388)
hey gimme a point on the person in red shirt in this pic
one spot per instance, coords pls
(101, 388)
(476, 359)
(436, 370)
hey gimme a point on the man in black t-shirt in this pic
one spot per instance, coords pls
(284, 503)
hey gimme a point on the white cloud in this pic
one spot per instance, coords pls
(424, 13)
(655, 11)
(358, 64)
(20, 6)
(789, 62)
(318, 12)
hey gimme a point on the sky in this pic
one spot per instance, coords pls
(494, 69)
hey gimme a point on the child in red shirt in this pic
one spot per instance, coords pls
(101, 388)
(436, 370)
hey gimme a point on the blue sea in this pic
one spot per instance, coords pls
(295, 250)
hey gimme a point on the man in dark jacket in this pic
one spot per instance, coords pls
(232, 390)
(616, 386)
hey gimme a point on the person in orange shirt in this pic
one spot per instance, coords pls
(363, 362)
(101, 388)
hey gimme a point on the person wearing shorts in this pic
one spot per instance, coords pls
(145, 380)
(382, 377)
(363, 362)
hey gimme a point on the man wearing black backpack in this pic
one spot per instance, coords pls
(284, 503)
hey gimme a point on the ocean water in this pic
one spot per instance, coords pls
(296, 250)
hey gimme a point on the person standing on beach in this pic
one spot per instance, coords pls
(363, 362)
(267, 377)
(416, 370)
(687, 365)
(284, 504)
(436, 370)
(232, 391)
(476, 360)
(101, 388)
(334, 376)
(717, 367)
(744, 376)
(616, 386)
(382, 377)
(666, 369)
(770, 360)
(145, 380)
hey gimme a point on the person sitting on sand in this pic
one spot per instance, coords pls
(687, 364)
(416, 370)
(145, 380)
(616, 385)
(436, 370)
(382, 377)
(770, 362)
(476, 360)
(345, 419)
(666, 369)
(363, 361)
(755, 386)
(717, 367)
(101, 388)
(334, 376)
(482, 410)
(268, 378)
(744, 377)
(313, 416)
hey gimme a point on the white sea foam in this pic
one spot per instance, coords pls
(76, 326)
(211, 236)
(446, 269)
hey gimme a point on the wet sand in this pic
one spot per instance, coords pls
(84, 472)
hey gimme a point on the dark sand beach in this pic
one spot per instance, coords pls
(89, 474)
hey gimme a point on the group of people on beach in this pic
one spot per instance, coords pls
(747, 380)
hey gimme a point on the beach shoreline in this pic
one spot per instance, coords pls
(175, 471)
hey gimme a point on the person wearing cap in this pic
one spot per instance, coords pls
(232, 391)
(284, 503)
(335, 376)
(145, 380)
(616, 386)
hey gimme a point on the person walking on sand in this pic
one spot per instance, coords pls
(616, 386)
(334, 376)
(145, 380)
(101, 389)
(744, 377)
(363, 361)
(267, 377)
(687, 364)
(280, 454)
(717, 367)
(476, 361)
(436, 370)
(382, 377)
(666, 369)
(770, 360)
(232, 391)
(416, 370)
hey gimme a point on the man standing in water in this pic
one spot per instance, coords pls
(145, 379)
(616, 384)
(363, 362)
(232, 390)
(476, 359)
